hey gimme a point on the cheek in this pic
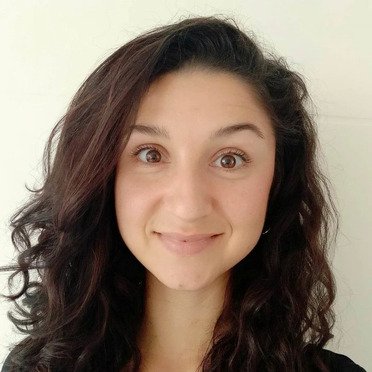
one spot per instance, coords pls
(247, 202)
(246, 210)
(131, 199)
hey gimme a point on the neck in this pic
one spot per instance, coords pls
(178, 324)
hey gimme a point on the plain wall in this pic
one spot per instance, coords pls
(48, 49)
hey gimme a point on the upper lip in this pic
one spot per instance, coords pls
(190, 238)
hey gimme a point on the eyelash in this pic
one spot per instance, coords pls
(242, 155)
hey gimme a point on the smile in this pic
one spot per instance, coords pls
(187, 245)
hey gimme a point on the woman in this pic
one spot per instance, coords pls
(184, 223)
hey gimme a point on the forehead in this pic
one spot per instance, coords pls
(210, 86)
(198, 99)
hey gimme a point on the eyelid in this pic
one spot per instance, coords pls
(244, 157)
(137, 150)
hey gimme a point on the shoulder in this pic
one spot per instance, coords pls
(339, 362)
(335, 361)
(6, 365)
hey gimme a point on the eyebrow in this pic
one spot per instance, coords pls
(154, 130)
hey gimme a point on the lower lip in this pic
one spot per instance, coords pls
(187, 248)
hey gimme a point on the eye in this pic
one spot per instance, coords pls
(150, 157)
(228, 159)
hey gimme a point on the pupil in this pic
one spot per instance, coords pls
(230, 162)
(151, 157)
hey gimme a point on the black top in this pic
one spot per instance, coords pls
(340, 363)
(336, 362)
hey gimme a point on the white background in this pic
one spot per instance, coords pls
(49, 47)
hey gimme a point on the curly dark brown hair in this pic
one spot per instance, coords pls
(83, 309)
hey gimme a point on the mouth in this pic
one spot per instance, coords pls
(187, 238)
(187, 245)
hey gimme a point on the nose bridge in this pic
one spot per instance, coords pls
(189, 192)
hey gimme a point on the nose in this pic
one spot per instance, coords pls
(189, 195)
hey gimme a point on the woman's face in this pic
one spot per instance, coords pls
(193, 179)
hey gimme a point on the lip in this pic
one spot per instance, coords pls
(189, 238)
(194, 244)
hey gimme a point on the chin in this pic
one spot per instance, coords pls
(185, 283)
(184, 286)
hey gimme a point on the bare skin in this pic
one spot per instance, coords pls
(181, 324)
(188, 190)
